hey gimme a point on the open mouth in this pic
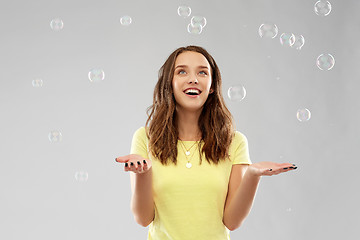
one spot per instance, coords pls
(192, 94)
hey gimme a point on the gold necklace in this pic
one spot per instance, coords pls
(187, 153)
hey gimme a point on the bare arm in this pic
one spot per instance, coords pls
(240, 205)
(142, 202)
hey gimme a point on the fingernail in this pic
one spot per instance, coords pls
(291, 167)
(115, 160)
(285, 168)
(138, 162)
(131, 164)
(126, 164)
(295, 167)
(293, 164)
(144, 161)
(270, 169)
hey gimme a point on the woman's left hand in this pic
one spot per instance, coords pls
(270, 168)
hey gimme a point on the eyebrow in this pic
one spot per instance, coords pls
(185, 66)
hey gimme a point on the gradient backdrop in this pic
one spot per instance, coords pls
(73, 189)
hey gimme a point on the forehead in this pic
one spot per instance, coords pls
(191, 59)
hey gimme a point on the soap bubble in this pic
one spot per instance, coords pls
(303, 114)
(81, 176)
(55, 136)
(322, 8)
(37, 82)
(198, 20)
(56, 24)
(325, 62)
(184, 11)
(299, 42)
(96, 75)
(194, 29)
(125, 20)
(268, 30)
(236, 93)
(287, 39)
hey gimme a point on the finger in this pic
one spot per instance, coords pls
(135, 167)
(267, 172)
(132, 167)
(139, 167)
(287, 165)
(145, 165)
(126, 167)
(123, 159)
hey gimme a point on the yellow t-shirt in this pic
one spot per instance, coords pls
(189, 202)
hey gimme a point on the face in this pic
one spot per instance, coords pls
(192, 70)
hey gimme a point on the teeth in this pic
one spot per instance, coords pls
(193, 91)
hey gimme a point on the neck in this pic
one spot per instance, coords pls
(187, 123)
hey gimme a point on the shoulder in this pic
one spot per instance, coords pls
(140, 131)
(239, 138)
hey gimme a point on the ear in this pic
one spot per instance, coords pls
(211, 90)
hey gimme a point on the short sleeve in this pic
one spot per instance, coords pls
(241, 149)
(139, 143)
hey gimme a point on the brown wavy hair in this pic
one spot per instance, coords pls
(215, 121)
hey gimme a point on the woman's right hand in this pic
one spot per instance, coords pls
(135, 163)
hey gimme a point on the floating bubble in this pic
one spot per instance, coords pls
(325, 62)
(37, 82)
(55, 136)
(56, 24)
(125, 20)
(236, 93)
(96, 75)
(184, 11)
(81, 176)
(268, 30)
(195, 20)
(322, 8)
(299, 42)
(303, 114)
(196, 29)
(287, 39)
(288, 209)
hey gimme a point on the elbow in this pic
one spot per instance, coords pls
(143, 223)
(233, 227)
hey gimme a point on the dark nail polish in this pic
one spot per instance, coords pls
(293, 164)
(126, 164)
(115, 160)
(131, 164)
(144, 161)
(285, 168)
(138, 163)
(295, 167)
(291, 167)
(270, 169)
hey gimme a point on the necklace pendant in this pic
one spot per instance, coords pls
(187, 153)
(188, 165)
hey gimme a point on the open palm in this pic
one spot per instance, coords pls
(270, 168)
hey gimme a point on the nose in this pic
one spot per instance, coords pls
(193, 79)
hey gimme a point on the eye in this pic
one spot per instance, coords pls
(203, 72)
(181, 71)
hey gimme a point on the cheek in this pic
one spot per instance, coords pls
(175, 85)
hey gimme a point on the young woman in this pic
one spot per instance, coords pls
(173, 190)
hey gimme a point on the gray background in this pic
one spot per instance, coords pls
(40, 197)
